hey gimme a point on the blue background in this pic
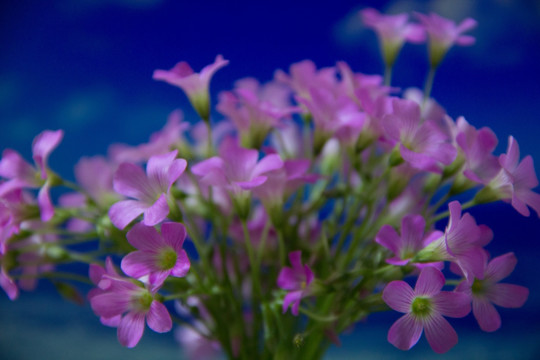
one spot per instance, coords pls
(85, 66)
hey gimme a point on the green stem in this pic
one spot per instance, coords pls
(388, 75)
(429, 84)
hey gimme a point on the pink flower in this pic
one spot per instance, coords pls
(296, 280)
(195, 85)
(424, 308)
(305, 76)
(7, 283)
(444, 33)
(462, 242)
(103, 283)
(487, 291)
(21, 174)
(411, 241)
(255, 110)
(158, 255)
(150, 190)
(169, 137)
(238, 170)
(477, 145)
(515, 181)
(393, 31)
(421, 144)
(134, 304)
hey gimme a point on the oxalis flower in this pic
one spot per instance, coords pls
(296, 280)
(424, 308)
(150, 190)
(488, 291)
(158, 256)
(134, 304)
(22, 175)
(195, 85)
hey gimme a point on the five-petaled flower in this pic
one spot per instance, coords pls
(424, 308)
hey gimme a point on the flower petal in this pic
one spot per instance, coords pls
(138, 264)
(399, 296)
(452, 304)
(430, 281)
(440, 335)
(131, 329)
(405, 332)
(173, 235)
(487, 316)
(124, 212)
(158, 318)
(157, 212)
(509, 295)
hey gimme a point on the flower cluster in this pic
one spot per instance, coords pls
(332, 172)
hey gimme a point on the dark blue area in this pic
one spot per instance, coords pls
(86, 67)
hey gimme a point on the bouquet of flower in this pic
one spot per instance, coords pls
(267, 234)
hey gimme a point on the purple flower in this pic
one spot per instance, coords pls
(101, 276)
(158, 256)
(169, 137)
(444, 33)
(424, 308)
(150, 190)
(516, 179)
(21, 174)
(422, 144)
(296, 280)
(136, 305)
(393, 31)
(411, 241)
(462, 242)
(7, 283)
(236, 169)
(477, 145)
(195, 85)
(487, 291)
(305, 76)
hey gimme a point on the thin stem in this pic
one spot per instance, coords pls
(388, 75)
(429, 84)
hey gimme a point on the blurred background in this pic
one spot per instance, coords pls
(86, 66)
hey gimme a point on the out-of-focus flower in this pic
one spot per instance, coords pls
(296, 280)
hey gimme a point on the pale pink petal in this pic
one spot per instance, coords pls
(130, 329)
(452, 304)
(109, 304)
(182, 265)
(430, 281)
(487, 316)
(145, 238)
(43, 145)
(508, 295)
(130, 180)
(138, 264)
(399, 296)
(267, 163)
(440, 335)
(46, 207)
(405, 332)
(124, 212)
(173, 235)
(500, 267)
(158, 318)
(389, 238)
(157, 212)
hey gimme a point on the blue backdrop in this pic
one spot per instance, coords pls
(85, 66)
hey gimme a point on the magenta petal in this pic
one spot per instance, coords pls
(500, 267)
(509, 295)
(112, 321)
(138, 263)
(131, 329)
(267, 163)
(8, 285)
(389, 238)
(157, 212)
(46, 207)
(130, 180)
(182, 265)
(487, 316)
(293, 298)
(440, 334)
(124, 212)
(13, 166)
(43, 144)
(452, 304)
(405, 332)
(173, 235)
(145, 238)
(288, 279)
(399, 296)
(158, 318)
(109, 304)
(430, 281)
(412, 230)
